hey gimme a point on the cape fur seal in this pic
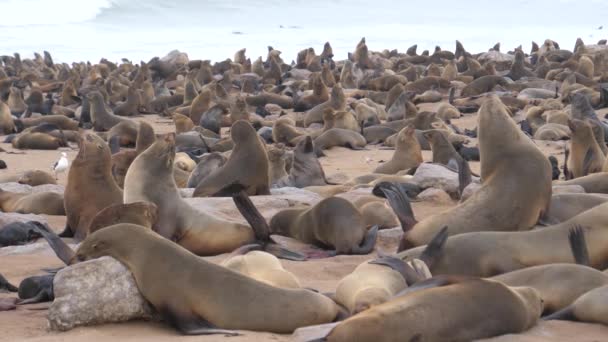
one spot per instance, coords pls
(507, 156)
(142, 214)
(306, 170)
(150, 179)
(207, 164)
(407, 153)
(49, 203)
(198, 295)
(413, 316)
(263, 267)
(90, 186)
(101, 117)
(339, 137)
(36, 177)
(332, 223)
(37, 141)
(247, 165)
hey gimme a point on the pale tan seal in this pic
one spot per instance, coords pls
(142, 214)
(36, 177)
(263, 267)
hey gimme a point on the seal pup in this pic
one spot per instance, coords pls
(18, 233)
(90, 186)
(263, 267)
(37, 141)
(443, 151)
(142, 214)
(332, 223)
(208, 295)
(339, 137)
(182, 123)
(150, 179)
(407, 153)
(36, 289)
(36, 177)
(49, 203)
(284, 131)
(207, 164)
(248, 154)
(502, 146)
(306, 170)
(413, 316)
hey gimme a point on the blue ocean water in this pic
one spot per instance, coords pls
(76, 30)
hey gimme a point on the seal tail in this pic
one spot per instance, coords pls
(434, 250)
(578, 245)
(566, 314)
(4, 284)
(399, 202)
(61, 249)
(368, 243)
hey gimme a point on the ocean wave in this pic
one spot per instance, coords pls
(44, 12)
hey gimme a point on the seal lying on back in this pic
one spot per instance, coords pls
(491, 307)
(198, 295)
(247, 166)
(516, 187)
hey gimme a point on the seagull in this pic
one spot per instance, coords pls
(61, 165)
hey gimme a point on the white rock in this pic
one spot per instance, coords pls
(96, 292)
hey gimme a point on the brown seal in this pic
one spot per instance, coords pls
(36, 177)
(142, 214)
(182, 123)
(318, 96)
(247, 165)
(482, 85)
(566, 206)
(337, 101)
(131, 106)
(507, 157)
(150, 178)
(199, 304)
(340, 137)
(407, 153)
(486, 301)
(332, 223)
(585, 155)
(276, 164)
(284, 131)
(123, 159)
(306, 169)
(37, 141)
(90, 187)
(443, 150)
(101, 118)
(49, 203)
(7, 126)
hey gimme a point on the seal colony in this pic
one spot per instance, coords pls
(178, 159)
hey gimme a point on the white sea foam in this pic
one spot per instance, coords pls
(74, 30)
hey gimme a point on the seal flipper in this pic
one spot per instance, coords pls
(192, 324)
(578, 245)
(260, 227)
(67, 232)
(438, 281)
(6, 286)
(41, 297)
(407, 272)
(63, 251)
(313, 333)
(587, 162)
(399, 202)
(565, 314)
(368, 243)
(464, 175)
(433, 251)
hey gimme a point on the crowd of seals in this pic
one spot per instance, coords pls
(514, 248)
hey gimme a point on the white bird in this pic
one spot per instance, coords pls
(61, 165)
